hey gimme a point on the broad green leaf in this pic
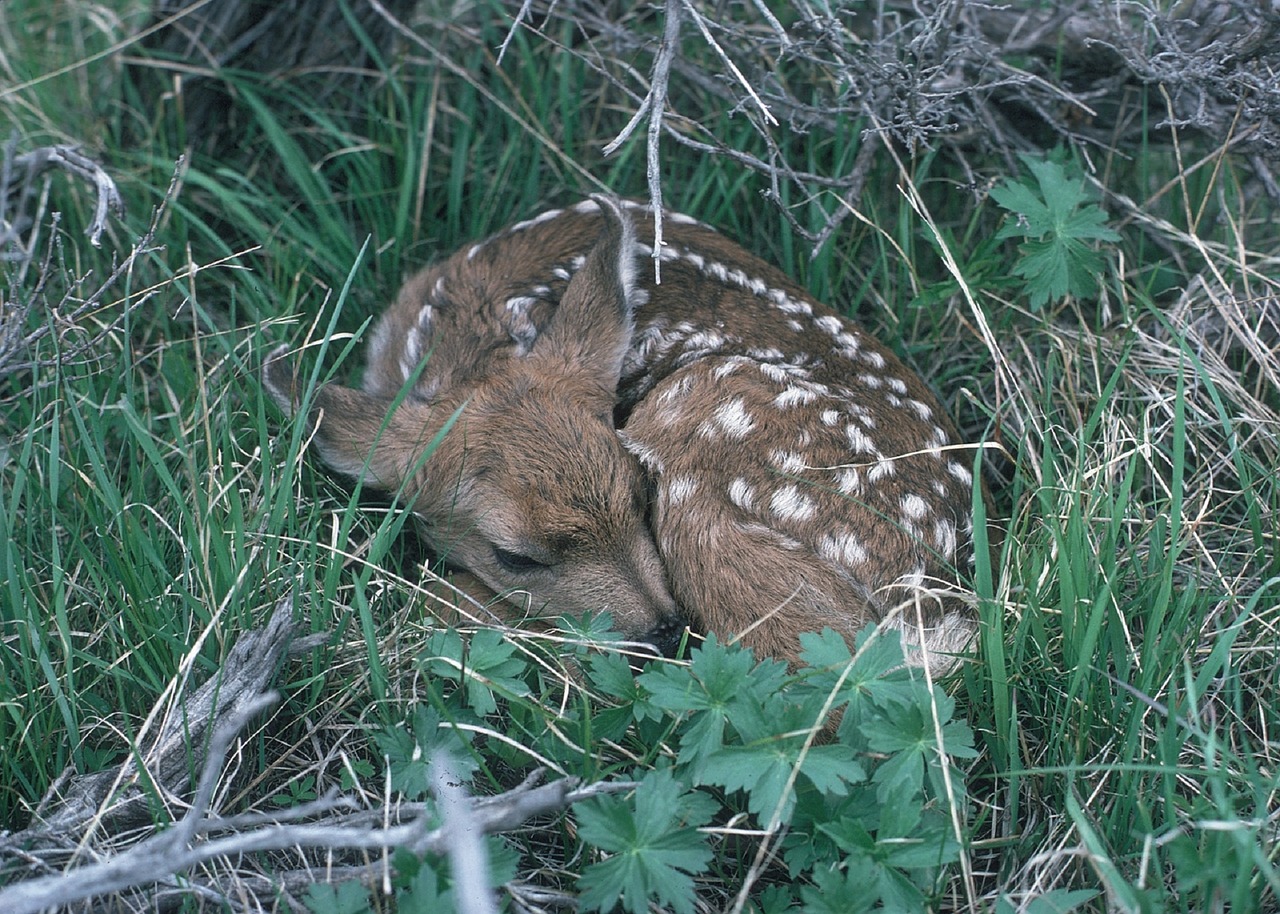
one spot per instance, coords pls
(425, 895)
(1056, 219)
(344, 898)
(654, 846)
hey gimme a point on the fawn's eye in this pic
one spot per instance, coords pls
(517, 562)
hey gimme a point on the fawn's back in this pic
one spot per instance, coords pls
(793, 473)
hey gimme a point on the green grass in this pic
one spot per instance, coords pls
(154, 504)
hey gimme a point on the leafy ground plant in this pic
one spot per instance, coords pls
(753, 784)
(1061, 225)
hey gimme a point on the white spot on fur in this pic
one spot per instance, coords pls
(728, 367)
(788, 305)
(883, 469)
(872, 358)
(677, 391)
(680, 488)
(848, 481)
(733, 419)
(830, 417)
(794, 396)
(789, 503)
(829, 323)
(474, 250)
(787, 372)
(842, 548)
(914, 507)
(538, 219)
(706, 340)
(788, 461)
(795, 325)
(858, 440)
(921, 409)
(960, 472)
(742, 494)
(897, 385)
(873, 381)
(944, 537)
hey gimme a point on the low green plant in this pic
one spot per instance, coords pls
(1054, 215)
(869, 810)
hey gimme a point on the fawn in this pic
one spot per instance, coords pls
(718, 450)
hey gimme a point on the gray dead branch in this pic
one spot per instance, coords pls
(77, 313)
(18, 174)
(96, 844)
(971, 78)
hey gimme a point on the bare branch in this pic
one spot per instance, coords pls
(19, 173)
(116, 801)
(70, 317)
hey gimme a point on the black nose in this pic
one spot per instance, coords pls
(668, 637)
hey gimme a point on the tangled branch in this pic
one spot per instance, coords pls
(43, 863)
(74, 320)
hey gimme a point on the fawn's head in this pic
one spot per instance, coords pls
(527, 484)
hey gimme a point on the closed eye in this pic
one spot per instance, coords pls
(517, 562)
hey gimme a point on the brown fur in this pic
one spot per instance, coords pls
(802, 476)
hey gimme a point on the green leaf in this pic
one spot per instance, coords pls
(763, 768)
(654, 846)
(1056, 218)
(409, 752)
(875, 680)
(850, 890)
(486, 664)
(425, 895)
(718, 684)
(345, 898)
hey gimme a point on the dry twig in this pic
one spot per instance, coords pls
(74, 320)
(42, 864)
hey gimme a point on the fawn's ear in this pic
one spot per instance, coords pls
(590, 333)
(353, 431)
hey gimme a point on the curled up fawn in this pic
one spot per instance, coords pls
(718, 450)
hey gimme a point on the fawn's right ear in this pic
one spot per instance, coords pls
(590, 333)
(352, 429)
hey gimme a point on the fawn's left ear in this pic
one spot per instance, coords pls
(356, 433)
(590, 333)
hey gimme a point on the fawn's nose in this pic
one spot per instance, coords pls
(667, 637)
